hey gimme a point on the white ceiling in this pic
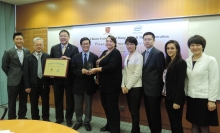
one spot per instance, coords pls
(20, 2)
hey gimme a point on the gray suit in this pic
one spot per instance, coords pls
(12, 67)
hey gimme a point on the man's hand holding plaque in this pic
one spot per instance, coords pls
(65, 57)
(55, 67)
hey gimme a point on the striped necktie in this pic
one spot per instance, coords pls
(64, 49)
(145, 57)
(39, 67)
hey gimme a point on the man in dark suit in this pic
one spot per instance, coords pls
(12, 64)
(154, 63)
(64, 50)
(34, 82)
(84, 84)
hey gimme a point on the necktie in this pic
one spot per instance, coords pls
(64, 49)
(145, 57)
(85, 61)
(39, 68)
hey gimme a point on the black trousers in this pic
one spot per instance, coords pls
(42, 91)
(58, 95)
(13, 92)
(134, 102)
(175, 116)
(110, 105)
(152, 107)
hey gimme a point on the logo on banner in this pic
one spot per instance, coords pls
(137, 28)
(107, 31)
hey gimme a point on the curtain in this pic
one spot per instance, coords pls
(7, 28)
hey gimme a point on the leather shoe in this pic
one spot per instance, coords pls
(47, 119)
(77, 126)
(69, 123)
(88, 127)
(22, 118)
(59, 121)
(105, 128)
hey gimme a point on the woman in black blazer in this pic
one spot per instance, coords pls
(174, 78)
(109, 77)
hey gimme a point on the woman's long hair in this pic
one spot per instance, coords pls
(178, 54)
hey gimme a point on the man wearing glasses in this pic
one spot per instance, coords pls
(34, 82)
(154, 63)
(84, 84)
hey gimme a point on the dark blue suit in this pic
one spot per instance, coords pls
(83, 87)
(64, 83)
(152, 86)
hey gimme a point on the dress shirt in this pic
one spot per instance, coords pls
(35, 54)
(20, 53)
(146, 55)
(87, 56)
(62, 46)
(149, 50)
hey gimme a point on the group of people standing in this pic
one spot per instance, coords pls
(150, 74)
(195, 80)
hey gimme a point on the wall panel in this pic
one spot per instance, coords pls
(76, 12)
(30, 34)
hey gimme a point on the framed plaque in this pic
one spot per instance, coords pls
(56, 67)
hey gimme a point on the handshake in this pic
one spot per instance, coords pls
(89, 72)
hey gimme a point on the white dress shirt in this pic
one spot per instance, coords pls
(36, 53)
(87, 55)
(20, 53)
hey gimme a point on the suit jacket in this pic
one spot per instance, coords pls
(111, 76)
(56, 52)
(152, 73)
(30, 71)
(132, 72)
(12, 67)
(175, 81)
(83, 82)
(202, 80)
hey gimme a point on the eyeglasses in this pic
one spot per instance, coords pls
(85, 44)
(39, 45)
(64, 36)
(148, 39)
